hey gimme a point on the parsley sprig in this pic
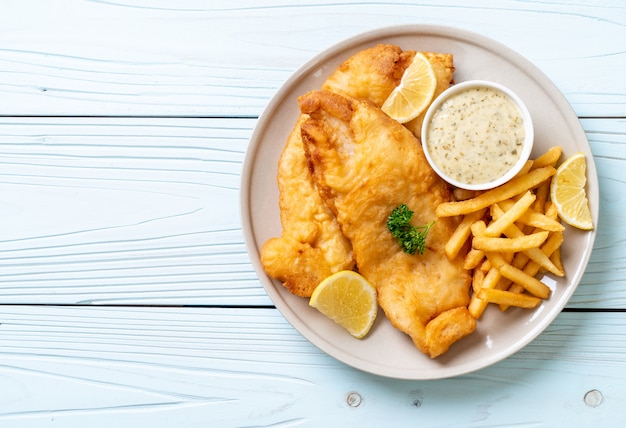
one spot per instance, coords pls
(412, 239)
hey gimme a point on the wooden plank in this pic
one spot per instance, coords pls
(603, 277)
(180, 367)
(123, 210)
(228, 58)
(145, 211)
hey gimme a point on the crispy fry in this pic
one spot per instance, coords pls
(535, 254)
(542, 192)
(473, 258)
(478, 228)
(491, 279)
(530, 283)
(508, 298)
(534, 218)
(551, 212)
(485, 266)
(461, 233)
(526, 168)
(522, 243)
(514, 187)
(549, 158)
(555, 258)
(515, 234)
(506, 219)
(520, 260)
(477, 280)
(551, 245)
(477, 305)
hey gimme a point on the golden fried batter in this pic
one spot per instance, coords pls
(311, 246)
(373, 73)
(365, 164)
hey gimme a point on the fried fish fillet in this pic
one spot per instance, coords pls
(365, 164)
(373, 73)
(312, 246)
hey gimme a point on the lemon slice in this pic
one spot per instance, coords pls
(414, 93)
(349, 300)
(567, 192)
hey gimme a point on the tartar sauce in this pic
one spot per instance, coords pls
(476, 136)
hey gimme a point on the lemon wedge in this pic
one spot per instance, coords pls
(349, 300)
(567, 192)
(414, 93)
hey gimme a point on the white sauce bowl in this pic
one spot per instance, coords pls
(443, 142)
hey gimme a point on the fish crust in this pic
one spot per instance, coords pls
(364, 165)
(311, 246)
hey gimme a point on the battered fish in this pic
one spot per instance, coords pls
(373, 73)
(312, 246)
(365, 164)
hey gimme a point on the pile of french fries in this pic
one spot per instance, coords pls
(513, 233)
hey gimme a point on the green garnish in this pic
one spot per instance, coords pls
(412, 239)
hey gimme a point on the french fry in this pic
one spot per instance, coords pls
(552, 244)
(478, 278)
(492, 279)
(503, 297)
(478, 228)
(461, 233)
(534, 218)
(526, 168)
(509, 245)
(520, 260)
(514, 187)
(549, 158)
(485, 266)
(473, 258)
(542, 192)
(533, 253)
(477, 305)
(555, 258)
(515, 234)
(530, 283)
(506, 219)
(551, 212)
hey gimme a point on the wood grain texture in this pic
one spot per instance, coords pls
(604, 276)
(145, 211)
(228, 58)
(123, 211)
(181, 367)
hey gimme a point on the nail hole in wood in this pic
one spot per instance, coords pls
(354, 399)
(593, 398)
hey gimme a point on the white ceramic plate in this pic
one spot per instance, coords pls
(386, 351)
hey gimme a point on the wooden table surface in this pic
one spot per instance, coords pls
(127, 297)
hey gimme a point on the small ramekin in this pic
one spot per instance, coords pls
(453, 92)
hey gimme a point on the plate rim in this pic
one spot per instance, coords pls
(375, 36)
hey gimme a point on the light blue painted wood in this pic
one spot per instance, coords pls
(119, 211)
(228, 58)
(604, 276)
(178, 367)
